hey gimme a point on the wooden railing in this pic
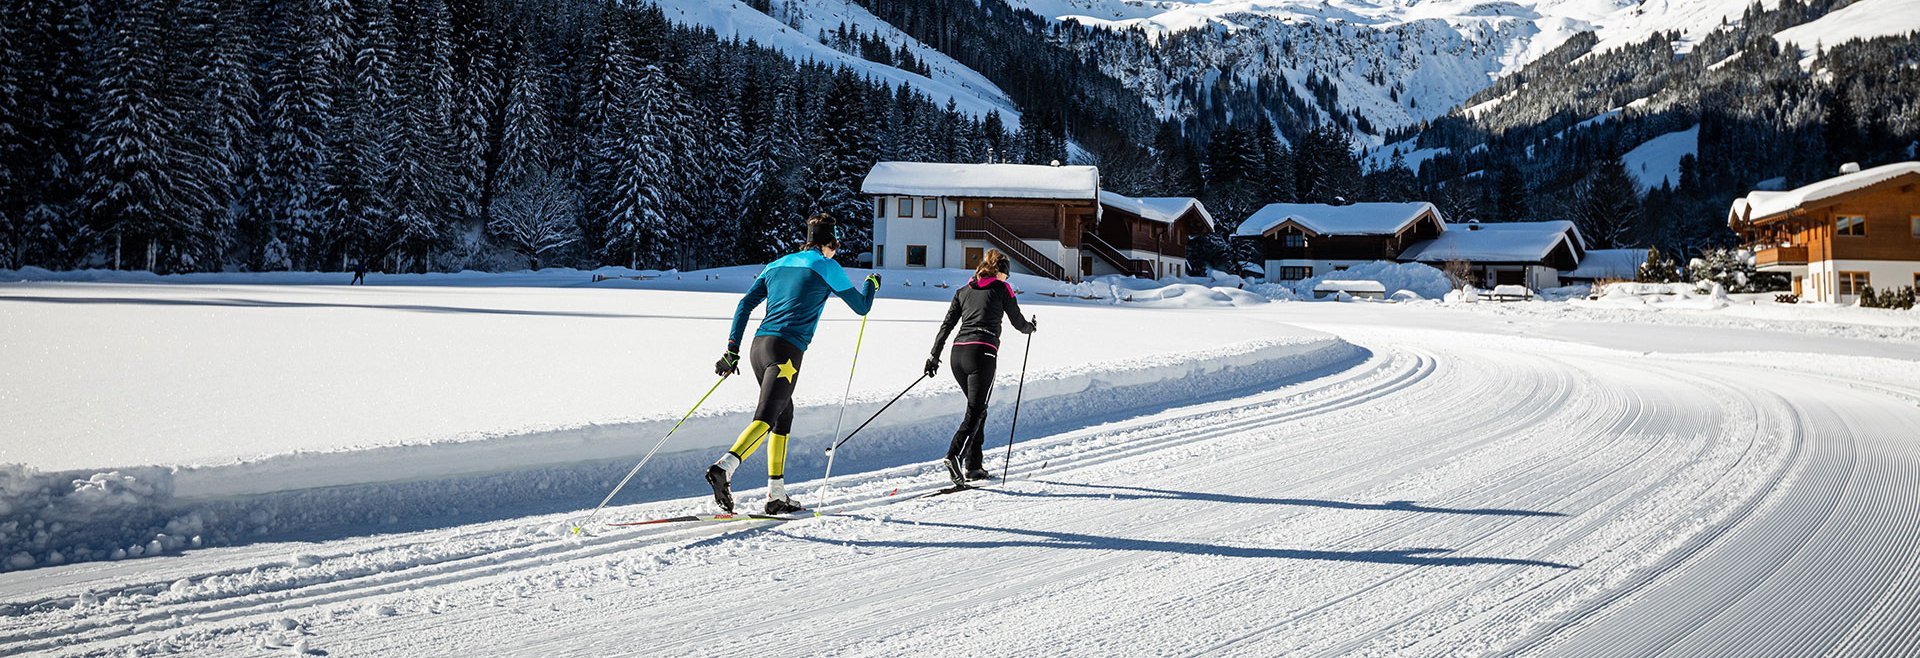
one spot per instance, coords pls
(983, 228)
(1780, 256)
(1120, 261)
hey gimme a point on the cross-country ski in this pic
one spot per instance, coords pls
(555, 328)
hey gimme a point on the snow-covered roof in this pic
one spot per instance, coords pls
(1506, 242)
(1010, 181)
(1163, 209)
(1609, 264)
(1758, 205)
(1322, 219)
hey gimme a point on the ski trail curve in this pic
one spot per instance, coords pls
(1452, 495)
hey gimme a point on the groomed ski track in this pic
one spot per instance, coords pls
(1454, 494)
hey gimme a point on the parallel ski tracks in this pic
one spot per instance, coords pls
(1379, 375)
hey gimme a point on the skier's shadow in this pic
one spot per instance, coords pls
(1052, 539)
(1146, 493)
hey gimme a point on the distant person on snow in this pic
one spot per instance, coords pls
(795, 288)
(977, 307)
(359, 273)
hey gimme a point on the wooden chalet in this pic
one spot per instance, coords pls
(1051, 221)
(1839, 236)
(1531, 254)
(1145, 236)
(1304, 240)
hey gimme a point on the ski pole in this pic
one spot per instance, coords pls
(1018, 392)
(876, 414)
(649, 455)
(828, 479)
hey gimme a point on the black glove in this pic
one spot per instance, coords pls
(873, 280)
(933, 366)
(1033, 325)
(729, 364)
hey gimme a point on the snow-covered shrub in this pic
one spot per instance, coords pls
(1659, 268)
(1420, 279)
(1897, 298)
(1734, 270)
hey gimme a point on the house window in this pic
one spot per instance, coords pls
(879, 207)
(930, 207)
(1853, 283)
(905, 208)
(1293, 239)
(1916, 226)
(1293, 273)
(1854, 225)
(879, 256)
(916, 255)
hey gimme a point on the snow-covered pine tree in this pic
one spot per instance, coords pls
(291, 181)
(637, 164)
(45, 139)
(476, 101)
(361, 174)
(424, 84)
(846, 150)
(144, 189)
(1607, 206)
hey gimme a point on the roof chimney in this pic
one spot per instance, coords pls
(1850, 168)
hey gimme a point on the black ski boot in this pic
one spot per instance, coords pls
(954, 471)
(717, 477)
(975, 473)
(780, 506)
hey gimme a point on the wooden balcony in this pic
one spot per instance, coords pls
(1780, 257)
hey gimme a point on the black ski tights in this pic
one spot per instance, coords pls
(973, 366)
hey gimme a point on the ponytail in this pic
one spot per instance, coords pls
(992, 263)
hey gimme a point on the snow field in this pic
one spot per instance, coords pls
(1459, 492)
(411, 405)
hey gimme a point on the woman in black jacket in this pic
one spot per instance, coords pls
(977, 307)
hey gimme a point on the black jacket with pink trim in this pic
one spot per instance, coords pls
(977, 307)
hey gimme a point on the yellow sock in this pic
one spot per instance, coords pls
(749, 440)
(777, 457)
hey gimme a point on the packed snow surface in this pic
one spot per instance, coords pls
(1018, 181)
(1531, 478)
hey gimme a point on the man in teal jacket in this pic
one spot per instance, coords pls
(795, 289)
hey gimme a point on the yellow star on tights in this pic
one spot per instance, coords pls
(787, 371)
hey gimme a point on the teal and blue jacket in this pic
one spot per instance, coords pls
(795, 288)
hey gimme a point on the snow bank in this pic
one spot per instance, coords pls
(1422, 280)
(82, 515)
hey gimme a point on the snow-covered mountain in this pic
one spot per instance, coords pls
(1386, 64)
(794, 27)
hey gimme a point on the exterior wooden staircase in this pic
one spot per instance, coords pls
(983, 228)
